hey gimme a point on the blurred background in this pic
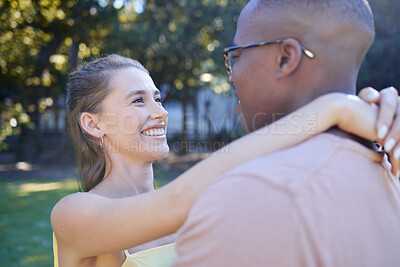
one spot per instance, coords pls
(179, 41)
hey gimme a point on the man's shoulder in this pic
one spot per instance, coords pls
(294, 165)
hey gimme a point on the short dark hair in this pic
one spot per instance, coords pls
(358, 11)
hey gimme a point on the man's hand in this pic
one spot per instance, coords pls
(388, 123)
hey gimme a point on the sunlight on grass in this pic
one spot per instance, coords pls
(27, 188)
(25, 232)
(35, 259)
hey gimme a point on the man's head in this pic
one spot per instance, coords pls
(274, 80)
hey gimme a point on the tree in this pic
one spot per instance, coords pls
(38, 40)
(177, 40)
(42, 40)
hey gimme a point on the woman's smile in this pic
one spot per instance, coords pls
(155, 131)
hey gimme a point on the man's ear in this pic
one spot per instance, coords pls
(289, 57)
(89, 123)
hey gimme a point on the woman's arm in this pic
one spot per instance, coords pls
(349, 113)
(93, 225)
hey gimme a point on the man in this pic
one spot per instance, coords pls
(326, 202)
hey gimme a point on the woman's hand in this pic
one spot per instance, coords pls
(388, 121)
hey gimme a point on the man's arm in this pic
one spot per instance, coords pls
(241, 221)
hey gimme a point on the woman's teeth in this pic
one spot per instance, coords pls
(154, 132)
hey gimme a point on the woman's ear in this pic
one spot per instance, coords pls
(289, 57)
(89, 123)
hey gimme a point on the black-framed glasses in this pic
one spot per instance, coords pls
(230, 60)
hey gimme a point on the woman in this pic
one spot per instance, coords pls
(118, 127)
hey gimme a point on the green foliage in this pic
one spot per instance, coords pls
(41, 41)
(32, 27)
(177, 40)
(12, 117)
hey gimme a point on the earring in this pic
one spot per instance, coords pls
(101, 141)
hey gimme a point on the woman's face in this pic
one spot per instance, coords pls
(132, 118)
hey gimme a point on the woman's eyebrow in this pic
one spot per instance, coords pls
(137, 92)
(141, 92)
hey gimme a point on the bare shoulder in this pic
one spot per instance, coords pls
(73, 214)
(70, 205)
(73, 201)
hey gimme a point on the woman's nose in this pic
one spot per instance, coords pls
(230, 79)
(159, 113)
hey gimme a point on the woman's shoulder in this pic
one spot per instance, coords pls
(72, 213)
(68, 204)
(79, 225)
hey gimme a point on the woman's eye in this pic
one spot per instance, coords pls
(138, 100)
(158, 99)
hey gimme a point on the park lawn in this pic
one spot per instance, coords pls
(25, 230)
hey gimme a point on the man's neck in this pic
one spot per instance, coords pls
(346, 86)
(321, 83)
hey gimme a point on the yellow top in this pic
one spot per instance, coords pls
(155, 257)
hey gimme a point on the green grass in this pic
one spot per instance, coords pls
(25, 230)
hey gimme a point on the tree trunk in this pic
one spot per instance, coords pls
(196, 117)
(185, 99)
(29, 142)
(66, 153)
